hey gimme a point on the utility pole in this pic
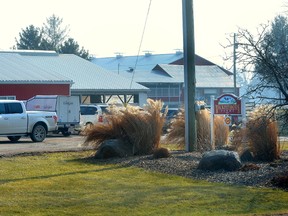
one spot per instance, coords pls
(189, 76)
(234, 64)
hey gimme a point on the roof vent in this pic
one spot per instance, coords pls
(178, 51)
(147, 53)
(119, 55)
(131, 69)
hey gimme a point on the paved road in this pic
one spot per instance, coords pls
(52, 143)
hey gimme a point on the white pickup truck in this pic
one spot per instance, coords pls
(16, 122)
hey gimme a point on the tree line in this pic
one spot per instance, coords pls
(51, 36)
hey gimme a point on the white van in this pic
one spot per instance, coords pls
(91, 114)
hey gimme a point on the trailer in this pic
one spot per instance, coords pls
(66, 107)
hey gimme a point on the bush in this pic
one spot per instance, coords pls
(238, 140)
(138, 128)
(176, 133)
(280, 181)
(262, 135)
(161, 153)
(221, 132)
(203, 130)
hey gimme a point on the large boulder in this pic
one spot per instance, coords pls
(220, 160)
(113, 148)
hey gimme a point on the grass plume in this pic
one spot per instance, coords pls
(262, 134)
(139, 128)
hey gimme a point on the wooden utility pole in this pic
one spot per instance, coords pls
(234, 64)
(189, 76)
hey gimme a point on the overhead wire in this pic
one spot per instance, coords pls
(140, 44)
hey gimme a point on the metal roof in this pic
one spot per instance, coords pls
(165, 68)
(136, 67)
(147, 62)
(207, 76)
(85, 75)
(15, 69)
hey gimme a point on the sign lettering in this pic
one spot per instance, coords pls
(227, 104)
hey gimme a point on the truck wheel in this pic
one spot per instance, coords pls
(66, 133)
(38, 133)
(14, 138)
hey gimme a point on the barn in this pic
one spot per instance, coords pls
(19, 79)
(24, 74)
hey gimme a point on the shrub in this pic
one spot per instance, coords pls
(238, 140)
(221, 132)
(203, 130)
(161, 153)
(140, 129)
(262, 135)
(280, 181)
(176, 133)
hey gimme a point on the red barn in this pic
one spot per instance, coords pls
(20, 79)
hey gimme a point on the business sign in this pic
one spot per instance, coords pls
(227, 104)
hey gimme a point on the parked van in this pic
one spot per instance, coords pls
(91, 114)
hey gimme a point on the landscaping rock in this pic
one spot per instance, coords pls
(113, 148)
(247, 156)
(220, 160)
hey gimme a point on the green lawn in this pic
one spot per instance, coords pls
(284, 145)
(69, 184)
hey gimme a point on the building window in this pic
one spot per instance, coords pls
(7, 97)
(164, 92)
(210, 91)
(228, 90)
(174, 92)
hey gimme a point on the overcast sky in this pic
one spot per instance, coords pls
(105, 27)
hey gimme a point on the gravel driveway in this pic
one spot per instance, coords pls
(52, 143)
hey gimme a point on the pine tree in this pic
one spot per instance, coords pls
(30, 39)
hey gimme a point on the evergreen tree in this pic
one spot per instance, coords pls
(70, 46)
(53, 33)
(51, 37)
(275, 49)
(30, 39)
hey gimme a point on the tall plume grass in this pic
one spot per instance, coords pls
(176, 133)
(239, 140)
(140, 129)
(203, 130)
(221, 132)
(262, 134)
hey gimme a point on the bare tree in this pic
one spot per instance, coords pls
(263, 58)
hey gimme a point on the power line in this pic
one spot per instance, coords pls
(140, 43)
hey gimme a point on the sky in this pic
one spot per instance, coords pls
(107, 27)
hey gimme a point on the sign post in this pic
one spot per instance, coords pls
(227, 105)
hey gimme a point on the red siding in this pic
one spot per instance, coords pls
(26, 91)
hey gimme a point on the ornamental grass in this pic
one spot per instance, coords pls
(140, 129)
(176, 132)
(262, 134)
